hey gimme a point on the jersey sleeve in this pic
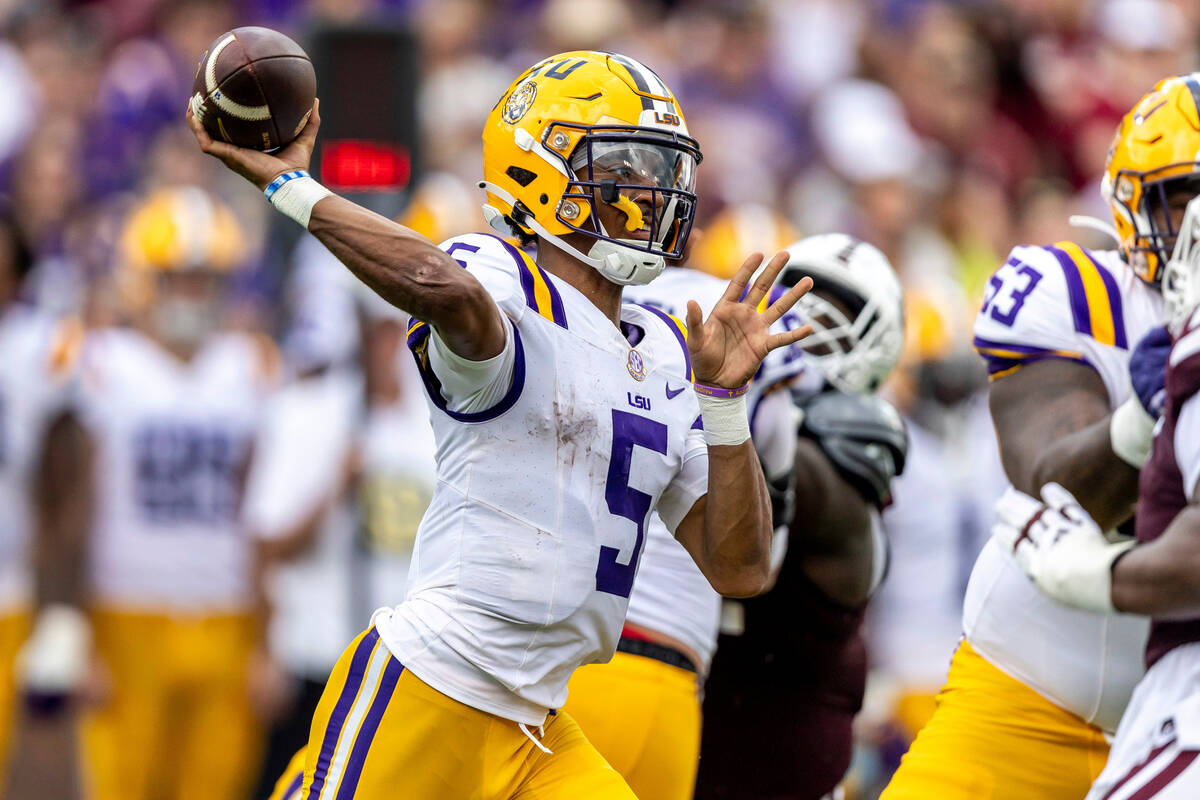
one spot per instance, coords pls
(476, 390)
(1048, 302)
(1187, 444)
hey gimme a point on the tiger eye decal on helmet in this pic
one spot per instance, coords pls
(598, 132)
(1153, 170)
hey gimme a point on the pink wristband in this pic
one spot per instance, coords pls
(719, 391)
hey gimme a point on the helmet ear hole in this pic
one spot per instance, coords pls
(521, 175)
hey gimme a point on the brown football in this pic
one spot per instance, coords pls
(254, 87)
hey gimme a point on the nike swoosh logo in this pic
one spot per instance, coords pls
(673, 393)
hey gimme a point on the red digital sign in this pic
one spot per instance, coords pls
(357, 165)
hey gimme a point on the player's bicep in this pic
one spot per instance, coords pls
(1039, 404)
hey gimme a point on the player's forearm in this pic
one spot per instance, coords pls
(63, 510)
(1162, 578)
(1084, 463)
(411, 273)
(831, 529)
(737, 522)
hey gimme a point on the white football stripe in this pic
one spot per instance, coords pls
(230, 107)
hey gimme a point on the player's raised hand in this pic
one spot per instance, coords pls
(254, 165)
(728, 347)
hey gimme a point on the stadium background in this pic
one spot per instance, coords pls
(942, 132)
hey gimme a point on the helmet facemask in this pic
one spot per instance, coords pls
(1180, 282)
(1158, 213)
(648, 176)
(847, 344)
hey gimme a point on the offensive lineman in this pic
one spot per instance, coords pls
(1069, 558)
(1035, 685)
(556, 435)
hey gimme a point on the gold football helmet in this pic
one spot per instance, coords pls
(583, 128)
(1154, 169)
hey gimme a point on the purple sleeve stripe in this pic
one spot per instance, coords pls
(996, 364)
(1079, 304)
(1114, 302)
(986, 344)
(354, 679)
(418, 340)
(529, 282)
(366, 732)
(674, 328)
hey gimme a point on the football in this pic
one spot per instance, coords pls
(254, 87)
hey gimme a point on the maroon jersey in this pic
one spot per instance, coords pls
(1162, 495)
(781, 698)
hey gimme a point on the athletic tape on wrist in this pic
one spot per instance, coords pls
(725, 420)
(294, 194)
(1131, 431)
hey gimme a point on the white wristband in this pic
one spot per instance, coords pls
(55, 657)
(294, 194)
(725, 420)
(1132, 433)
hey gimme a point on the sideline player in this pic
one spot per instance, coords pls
(1034, 685)
(642, 710)
(43, 635)
(556, 437)
(172, 407)
(1069, 558)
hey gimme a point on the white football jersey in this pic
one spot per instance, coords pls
(526, 557)
(36, 360)
(174, 441)
(298, 465)
(1059, 302)
(671, 595)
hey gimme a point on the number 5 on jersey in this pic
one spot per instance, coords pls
(629, 431)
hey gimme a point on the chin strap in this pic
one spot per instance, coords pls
(617, 262)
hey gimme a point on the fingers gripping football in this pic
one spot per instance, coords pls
(728, 347)
(254, 165)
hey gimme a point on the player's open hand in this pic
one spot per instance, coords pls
(728, 347)
(254, 165)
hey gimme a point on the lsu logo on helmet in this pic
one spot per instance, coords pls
(586, 128)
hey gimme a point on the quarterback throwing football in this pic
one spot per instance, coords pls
(560, 425)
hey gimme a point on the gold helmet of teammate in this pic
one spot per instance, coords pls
(722, 245)
(177, 249)
(591, 144)
(1153, 171)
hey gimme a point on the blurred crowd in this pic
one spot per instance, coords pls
(942, 132)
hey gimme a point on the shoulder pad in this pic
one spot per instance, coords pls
(509, 274)
(863, 437)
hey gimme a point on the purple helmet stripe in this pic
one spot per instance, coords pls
(366, 733)
(1079, 305)
(354, 679)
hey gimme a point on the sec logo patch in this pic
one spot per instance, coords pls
(636, 366)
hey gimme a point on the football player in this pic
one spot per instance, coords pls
(1034, 686)
(172, 406)
(562, 419)
(1069, 558)
(43, 634)
(643, 709)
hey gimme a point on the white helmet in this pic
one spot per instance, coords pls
(856, 309)
(1180, 283)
